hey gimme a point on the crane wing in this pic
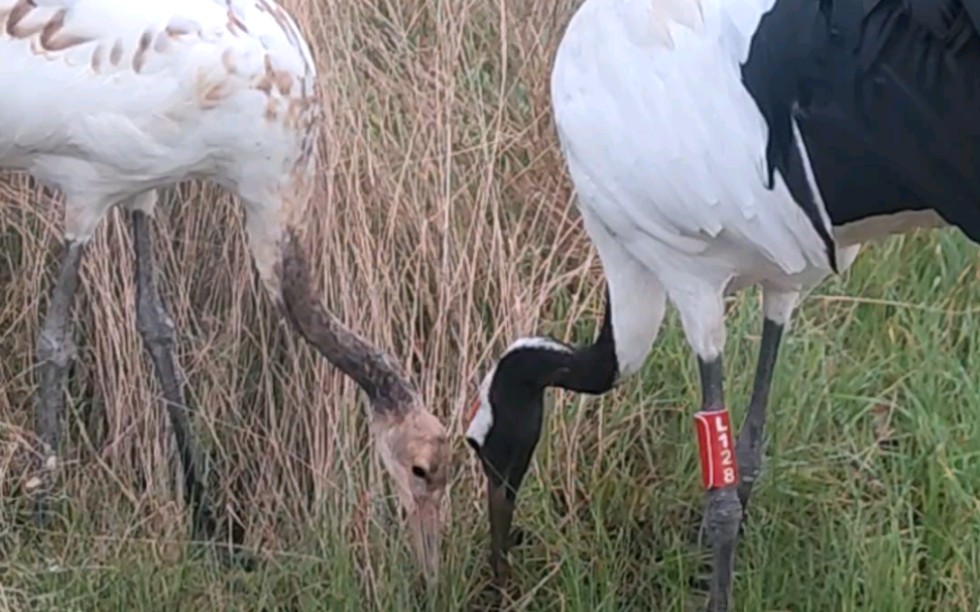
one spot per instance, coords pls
(903, 104)
(100, 80)
(666, 161)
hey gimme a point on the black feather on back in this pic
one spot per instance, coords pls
(887, 102)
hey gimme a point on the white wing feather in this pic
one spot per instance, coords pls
(668, 141)
(146, 92)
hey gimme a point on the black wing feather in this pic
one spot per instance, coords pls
(901, 88)
(885, 92)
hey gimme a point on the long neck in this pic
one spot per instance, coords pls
(537, 363)
(593, 368)
(371, 368)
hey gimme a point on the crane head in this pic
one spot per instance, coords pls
(414, 448)
(504, 425)
(412, 443)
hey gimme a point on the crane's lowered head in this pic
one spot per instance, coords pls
(412, 443)
(504, 423)
(414, 449)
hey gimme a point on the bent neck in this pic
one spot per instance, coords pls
(544, 362)
(506, 435)
(377, 373)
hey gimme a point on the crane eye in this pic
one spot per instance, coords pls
(420, 472)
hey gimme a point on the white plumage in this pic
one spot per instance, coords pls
(670, 173)
(717, 144)
(109, 100)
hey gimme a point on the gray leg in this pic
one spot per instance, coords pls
(749, 446)
(723, 512)
(55, 353)
(158, 338)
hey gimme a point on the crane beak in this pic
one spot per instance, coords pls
(501, 507)
(426, 536)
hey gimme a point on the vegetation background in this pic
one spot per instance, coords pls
(447, 229)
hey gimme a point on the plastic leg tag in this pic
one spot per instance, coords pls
(718, 465)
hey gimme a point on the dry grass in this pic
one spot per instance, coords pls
(444, 225)
(446, 230)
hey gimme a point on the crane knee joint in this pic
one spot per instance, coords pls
(724, 514)
(56, 349)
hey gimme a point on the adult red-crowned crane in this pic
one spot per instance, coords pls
(715, 144)
(109, 100)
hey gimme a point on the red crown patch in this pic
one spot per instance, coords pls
(471, 412)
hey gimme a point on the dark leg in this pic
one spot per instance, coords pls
(749, 446)
(55, 352)
(723, 512)
(158, 338)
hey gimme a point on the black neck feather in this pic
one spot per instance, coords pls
(588, 369)
(517, 394)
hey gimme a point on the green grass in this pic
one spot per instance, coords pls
(869, 498)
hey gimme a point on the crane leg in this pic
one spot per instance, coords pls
(748, 449)
(157, 332)
(778, 305)
(723, 512)
(55, 351)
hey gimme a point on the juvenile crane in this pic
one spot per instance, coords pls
(109, 100)
(716, 144)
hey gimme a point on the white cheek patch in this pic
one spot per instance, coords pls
(482, 418)
(481, 424)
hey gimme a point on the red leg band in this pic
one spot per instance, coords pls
(718, 465)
